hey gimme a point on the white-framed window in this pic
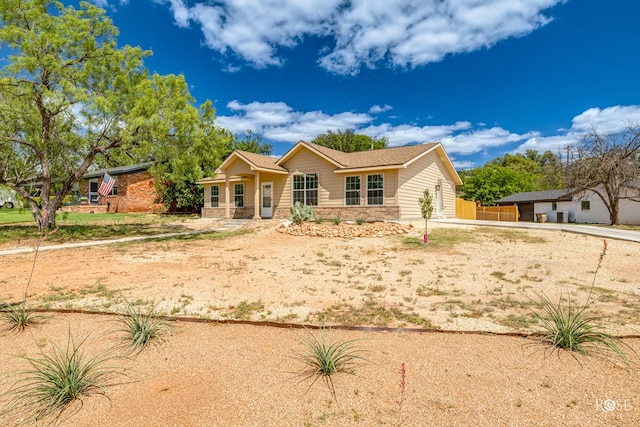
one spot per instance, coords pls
(585, 205)
(215, 196)
(375, 189)
(554, 206)
(305, 189)
(352, 190)
(93, 192)
(238, 195)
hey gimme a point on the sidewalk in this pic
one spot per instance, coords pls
(593, 230)
(228, 226)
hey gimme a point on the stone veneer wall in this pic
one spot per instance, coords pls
(370, 213)
(237, 213)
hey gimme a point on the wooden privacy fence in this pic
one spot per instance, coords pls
(465, 209)
(497, 213)
(469, 210)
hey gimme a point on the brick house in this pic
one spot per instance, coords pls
(133, 192)
(378, 184)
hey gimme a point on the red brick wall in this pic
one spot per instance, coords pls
(135, 194)
(138, 194)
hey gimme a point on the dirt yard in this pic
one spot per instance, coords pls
(469, 279)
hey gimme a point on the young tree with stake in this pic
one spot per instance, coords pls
(426, 207)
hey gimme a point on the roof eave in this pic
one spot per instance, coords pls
(369, 168)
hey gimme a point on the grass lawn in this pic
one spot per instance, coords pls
(19, 225)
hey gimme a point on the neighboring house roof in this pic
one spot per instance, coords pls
(537, 196)
(120, 170)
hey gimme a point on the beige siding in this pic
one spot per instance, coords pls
(423, 174)
(248, 192)
(281, 193)
(238, 167)
(390, 182)
(331, 185)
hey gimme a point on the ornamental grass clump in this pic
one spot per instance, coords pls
(54, 382)
(325, 357)
(17, 318)
(575, 328)
(142, 328)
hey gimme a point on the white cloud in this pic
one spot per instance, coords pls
(476, 141)
(105, 3)
(377, 109)
(463, 164)
(605, 120)
(405, 134)
(611, 119)
(101, 3)
(555, 144)
(365, 33)
(279, 122)
(180, 12)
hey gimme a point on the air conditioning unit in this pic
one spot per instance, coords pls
(562, 216)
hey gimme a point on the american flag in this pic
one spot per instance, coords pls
(107, 185)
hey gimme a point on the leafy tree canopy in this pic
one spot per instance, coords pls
(348, 141)
(176, 174)
(69, 97)
(510, 174)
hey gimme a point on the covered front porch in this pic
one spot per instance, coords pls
(246, 186)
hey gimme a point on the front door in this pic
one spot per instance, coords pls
(439, 200)
(266, 208)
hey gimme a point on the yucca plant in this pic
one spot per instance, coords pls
(142, 328)
(573, 327)
(54, 382)
(325, 357)
(17, 318)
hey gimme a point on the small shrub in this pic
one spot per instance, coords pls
(325, 357)
(361, 220)
(17, 318)
(301, 213)
(318, 219)
(140, 328)
(55, 381)
(336, 220)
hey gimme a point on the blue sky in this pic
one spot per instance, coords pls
(484, 77)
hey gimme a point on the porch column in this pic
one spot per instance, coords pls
(227, 210)
(256, 196)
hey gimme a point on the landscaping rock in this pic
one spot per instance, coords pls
(373, 229)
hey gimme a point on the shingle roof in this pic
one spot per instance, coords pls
(537, 196)
(387, 156)
(261, 161)
(120, 170)
(396, 156)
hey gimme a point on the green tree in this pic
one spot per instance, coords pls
(426, 208)
(349, 141)
(510, 174)
(177, 172)
(489, 183)
(70, 96)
